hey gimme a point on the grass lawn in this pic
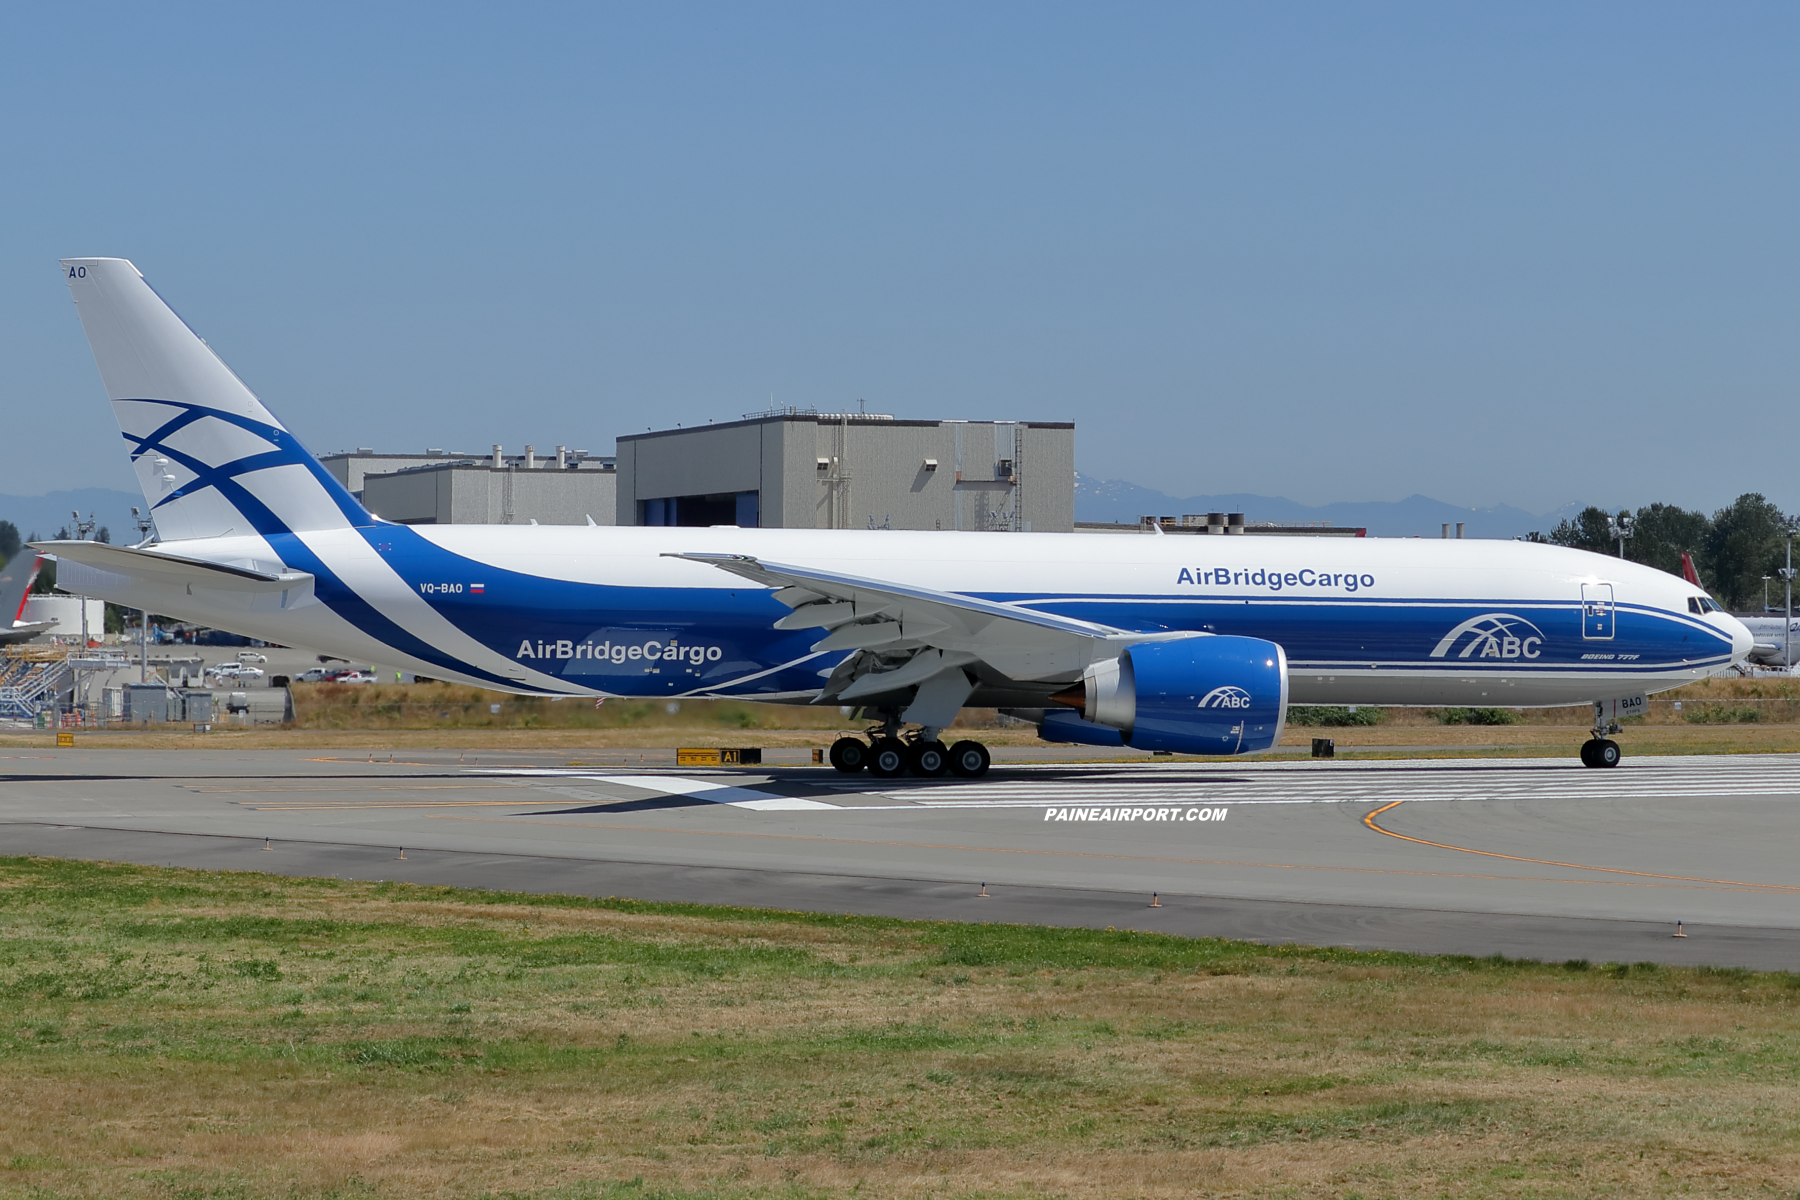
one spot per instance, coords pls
(169, 1033)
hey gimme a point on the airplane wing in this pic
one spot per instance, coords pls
(909, 635)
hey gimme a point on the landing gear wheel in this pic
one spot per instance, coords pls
(969, 760)
(1600, 752)
(888, 758)
(850, 755)
(928, 759)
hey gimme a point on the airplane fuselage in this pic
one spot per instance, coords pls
(606, 611)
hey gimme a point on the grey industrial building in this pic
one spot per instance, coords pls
(788, 469)
(800, 469)
(442, 488)
(792, 469)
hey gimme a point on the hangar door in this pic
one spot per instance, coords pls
(1597, 612)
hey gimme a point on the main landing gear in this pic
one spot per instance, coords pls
(885, 753)
(1600, 750)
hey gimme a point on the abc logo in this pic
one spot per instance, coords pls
(1226, 697)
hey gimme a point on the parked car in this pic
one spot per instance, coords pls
(235, 670)
(252, 657)
(354, 677)
(316, 675)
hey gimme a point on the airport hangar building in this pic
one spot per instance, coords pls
(799, 469)
(783, 469)
(789, 469)
(443, 488)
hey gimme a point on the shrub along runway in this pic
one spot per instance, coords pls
(1521, 857)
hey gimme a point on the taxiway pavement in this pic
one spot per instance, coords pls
(1528, 858)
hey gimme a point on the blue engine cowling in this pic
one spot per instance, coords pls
(1202, 695)
(1067, 725)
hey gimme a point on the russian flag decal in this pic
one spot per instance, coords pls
(478, 588)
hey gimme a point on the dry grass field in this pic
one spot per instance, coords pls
(168, 1033)
(1717, 716)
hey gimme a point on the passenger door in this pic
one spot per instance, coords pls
(1597, 612)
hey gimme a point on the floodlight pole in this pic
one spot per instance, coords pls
(1787, 626)
(1621, 527)
(82, 529)
(144, 525)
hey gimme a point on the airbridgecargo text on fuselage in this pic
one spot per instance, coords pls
(618, 652)
(1274, 581)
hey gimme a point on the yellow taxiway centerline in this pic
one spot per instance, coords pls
(1369, 820)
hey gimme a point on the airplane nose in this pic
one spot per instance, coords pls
(1741, 638)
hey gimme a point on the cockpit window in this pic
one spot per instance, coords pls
(1702, 604)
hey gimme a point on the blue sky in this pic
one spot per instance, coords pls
(1523, 254)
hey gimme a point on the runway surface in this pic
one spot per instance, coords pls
(1528, 858)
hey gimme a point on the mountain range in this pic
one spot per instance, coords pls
(1415, 516)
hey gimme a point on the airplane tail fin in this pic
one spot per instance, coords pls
(211, 460)
(1687, 569)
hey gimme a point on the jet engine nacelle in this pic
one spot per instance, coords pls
(1202, 695)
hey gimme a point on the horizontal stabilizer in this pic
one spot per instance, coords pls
(152, 567)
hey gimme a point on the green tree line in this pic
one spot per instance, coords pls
(1733, 549)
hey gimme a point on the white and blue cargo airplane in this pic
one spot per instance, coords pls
(1159, 643)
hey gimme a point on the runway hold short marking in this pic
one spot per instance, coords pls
(1135, 814)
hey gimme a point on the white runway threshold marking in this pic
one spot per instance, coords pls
(1107, 785)
(709, 790)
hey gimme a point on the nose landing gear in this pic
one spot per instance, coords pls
(1600, 750)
